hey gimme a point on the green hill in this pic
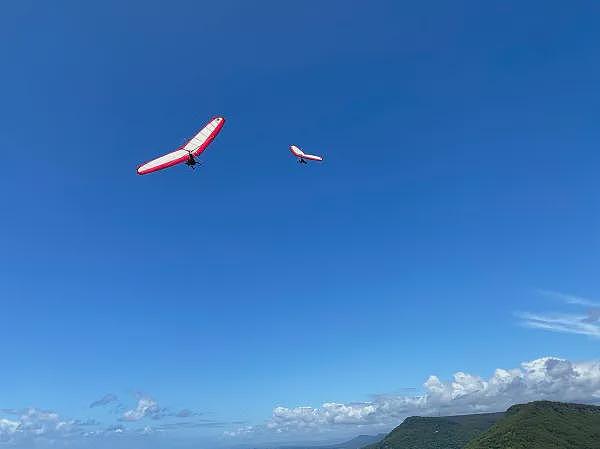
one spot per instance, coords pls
(544, 425)
(450, 432)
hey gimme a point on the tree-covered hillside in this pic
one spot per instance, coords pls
(544, 425)
(451, 432)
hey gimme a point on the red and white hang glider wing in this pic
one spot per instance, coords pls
(302, 155)
(194, 146)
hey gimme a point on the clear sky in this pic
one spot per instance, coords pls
(455, 213)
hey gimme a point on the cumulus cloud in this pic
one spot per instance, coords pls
(25, 428)
(146, 408)
(545, 378)
(104, 400)
(39, 424)
(7, 429)
(586, 322)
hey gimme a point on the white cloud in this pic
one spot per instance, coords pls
(7, 429)
(571, 323)
(146, 407)
(565, 323)
(36, 423)
(33, 427)
(545, 378)
(570, 299)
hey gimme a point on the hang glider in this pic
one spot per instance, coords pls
(302, 156)
(188, 151)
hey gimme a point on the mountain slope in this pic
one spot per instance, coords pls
(354, 443)
(450, 432)
(544, 425)
(360, 441)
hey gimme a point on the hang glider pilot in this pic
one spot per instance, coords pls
(188, 152)
(302, 156)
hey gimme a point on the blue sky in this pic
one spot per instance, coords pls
(457, 208)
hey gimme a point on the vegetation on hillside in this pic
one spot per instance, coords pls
(451, 432)
(544, 425)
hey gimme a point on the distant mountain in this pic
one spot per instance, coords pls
(359, 441)
(449, 432)
(544, 425)
(355, 443)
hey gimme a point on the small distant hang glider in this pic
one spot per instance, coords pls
(187, 152)
(302, 156)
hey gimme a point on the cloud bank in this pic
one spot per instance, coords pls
(33, 424)
(548, 378)
(140, 424)
(33, 427)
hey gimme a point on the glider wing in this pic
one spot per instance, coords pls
(302, 155)
(169, 159)
(195, 146)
